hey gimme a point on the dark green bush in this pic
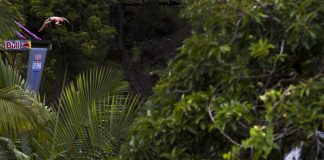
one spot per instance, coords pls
(246, 85)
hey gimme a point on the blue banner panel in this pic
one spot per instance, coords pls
(35, 67)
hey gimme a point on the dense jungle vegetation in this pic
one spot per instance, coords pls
(186, 79)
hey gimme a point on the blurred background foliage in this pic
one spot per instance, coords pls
(92, 37)
(246, 83)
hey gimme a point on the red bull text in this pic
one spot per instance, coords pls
(16, 45)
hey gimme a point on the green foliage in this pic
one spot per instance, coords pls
(261, 48)
(92, 118)
(246, 85)
(7, 10)
(229, 113)
(82, 44)
(20, 110)
(8, 150)
(89, 30)
(261, 140)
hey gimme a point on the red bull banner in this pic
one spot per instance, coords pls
(16, 45)
(35, 62)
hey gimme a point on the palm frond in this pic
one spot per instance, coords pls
(7, 10)
(9, 77)
(107, 127)
(8, 150)
(93, 117)
(20, 109)
(5, 31)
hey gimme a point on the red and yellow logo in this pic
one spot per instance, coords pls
(27, 45)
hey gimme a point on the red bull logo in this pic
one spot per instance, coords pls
(27, 45)
(16, 45)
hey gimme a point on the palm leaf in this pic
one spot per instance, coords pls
(93, 117)
(9, 77)
(8, 150)
(6, 12)
(20, 110)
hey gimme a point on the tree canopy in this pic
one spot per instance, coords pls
(247, 85)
